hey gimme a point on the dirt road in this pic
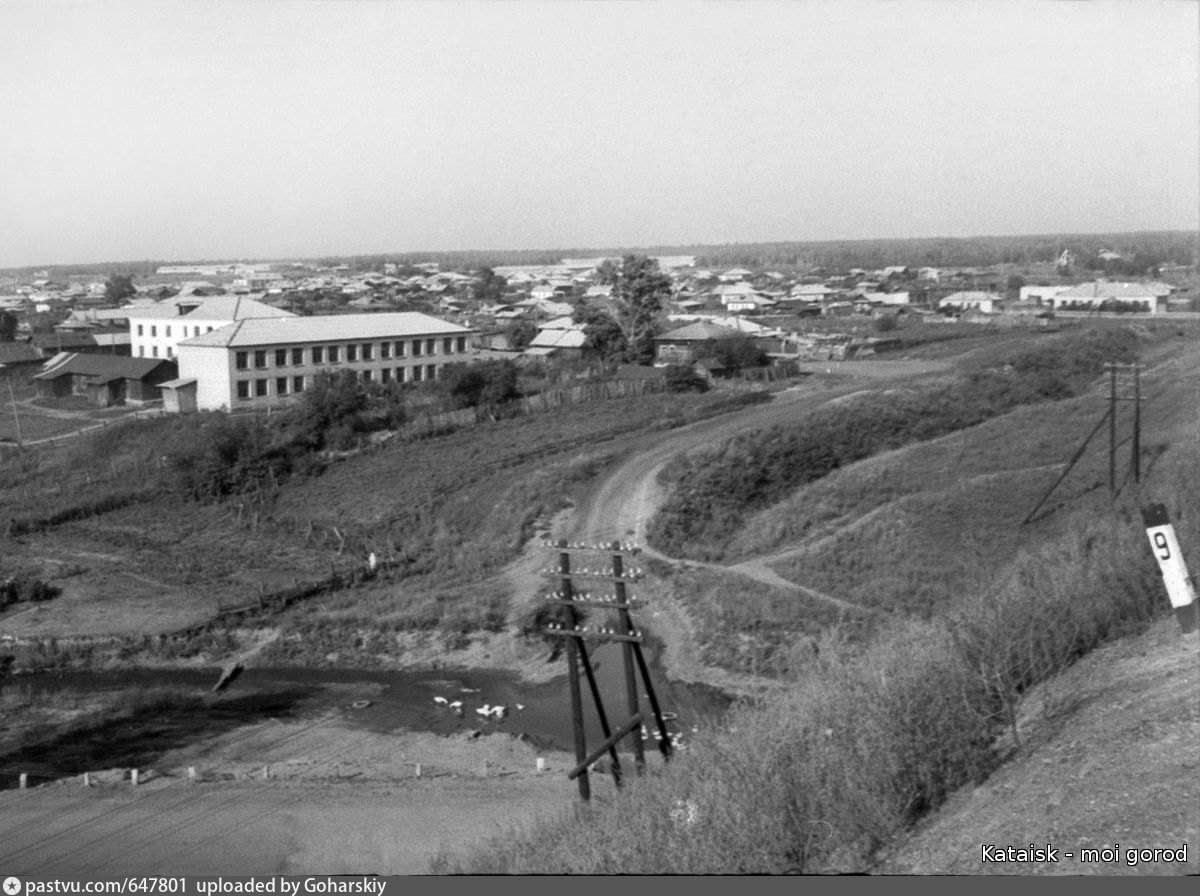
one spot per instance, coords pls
(621, 508)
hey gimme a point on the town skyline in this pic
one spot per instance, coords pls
(286, 130)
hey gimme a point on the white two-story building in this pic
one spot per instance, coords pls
(262, 361)
(155, 331)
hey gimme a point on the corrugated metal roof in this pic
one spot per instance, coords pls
(325, 328)
(559, 339)
(104, 366)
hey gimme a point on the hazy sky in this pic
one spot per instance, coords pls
(204, 130)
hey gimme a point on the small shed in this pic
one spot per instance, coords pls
(179, 396)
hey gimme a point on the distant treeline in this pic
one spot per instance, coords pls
(1156, 247)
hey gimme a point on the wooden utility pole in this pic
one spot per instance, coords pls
(1112, 429)
(16, 417)
(1110, 417)
(630, 639)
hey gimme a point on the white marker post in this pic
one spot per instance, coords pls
(1170, 560)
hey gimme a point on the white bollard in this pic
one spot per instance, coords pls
(418, 770)
(192, 773)
(266, 772)
(87, 780)
(24, 780)
(133, 776)
(541, 764)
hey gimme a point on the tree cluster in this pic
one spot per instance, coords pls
(481, 383)
(118, 288)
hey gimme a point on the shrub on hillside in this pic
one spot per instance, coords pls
(481, 383)
(682, 378)
(24, 588)
(218, 455)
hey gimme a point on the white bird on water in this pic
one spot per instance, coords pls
(440, 701)
(484, 710)
(499, 711)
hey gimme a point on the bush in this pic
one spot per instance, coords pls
(26, 588)
(220, 455)
(682, 378)
(481, 383)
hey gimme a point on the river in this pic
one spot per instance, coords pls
(387, 701)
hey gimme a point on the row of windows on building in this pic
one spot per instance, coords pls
(141, 328)
(351, 353)
(290, 385)
(167, 328)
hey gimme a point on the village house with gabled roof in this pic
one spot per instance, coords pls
(260, 361)
(686, 344)
(558, 341)
(105, 379)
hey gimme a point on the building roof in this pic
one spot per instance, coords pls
(325, 328)
(1109, 291)
(205, 308)
(736, 289)
(699, 332)
(559, 339)
(18, 353)
(812, 289)
(103, 367)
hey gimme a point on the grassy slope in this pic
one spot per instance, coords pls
(441, 511)
(865, 740)
(914, 528)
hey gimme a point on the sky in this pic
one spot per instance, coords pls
(275, 129)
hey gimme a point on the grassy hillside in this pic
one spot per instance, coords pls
(712, 492)
(105, 519)
(852, 748)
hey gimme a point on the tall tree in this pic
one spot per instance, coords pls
(602, 334)
(119, 287)
(8, 326)
(639, 290)
(489, 286)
